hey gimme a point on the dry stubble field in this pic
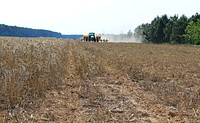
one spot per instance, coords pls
(55, 80)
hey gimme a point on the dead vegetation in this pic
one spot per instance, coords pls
(55, 80)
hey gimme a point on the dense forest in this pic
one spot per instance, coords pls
(173, 29)
(15, 31)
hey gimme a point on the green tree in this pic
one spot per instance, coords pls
(193, 32)
(178, 30)
(155, 30)
(169, 27)
(194, 18)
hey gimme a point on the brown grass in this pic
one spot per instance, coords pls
(28, 68)
(88, 82)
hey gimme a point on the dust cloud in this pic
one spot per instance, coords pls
(122, 38)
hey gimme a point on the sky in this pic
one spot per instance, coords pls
(83, 16)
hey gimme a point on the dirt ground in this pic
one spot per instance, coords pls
(123, 82)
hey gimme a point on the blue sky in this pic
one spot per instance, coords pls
(83, 16)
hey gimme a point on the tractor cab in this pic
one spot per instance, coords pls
(92, 36)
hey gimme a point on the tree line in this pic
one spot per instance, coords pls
(15, 31)
(173, 29)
